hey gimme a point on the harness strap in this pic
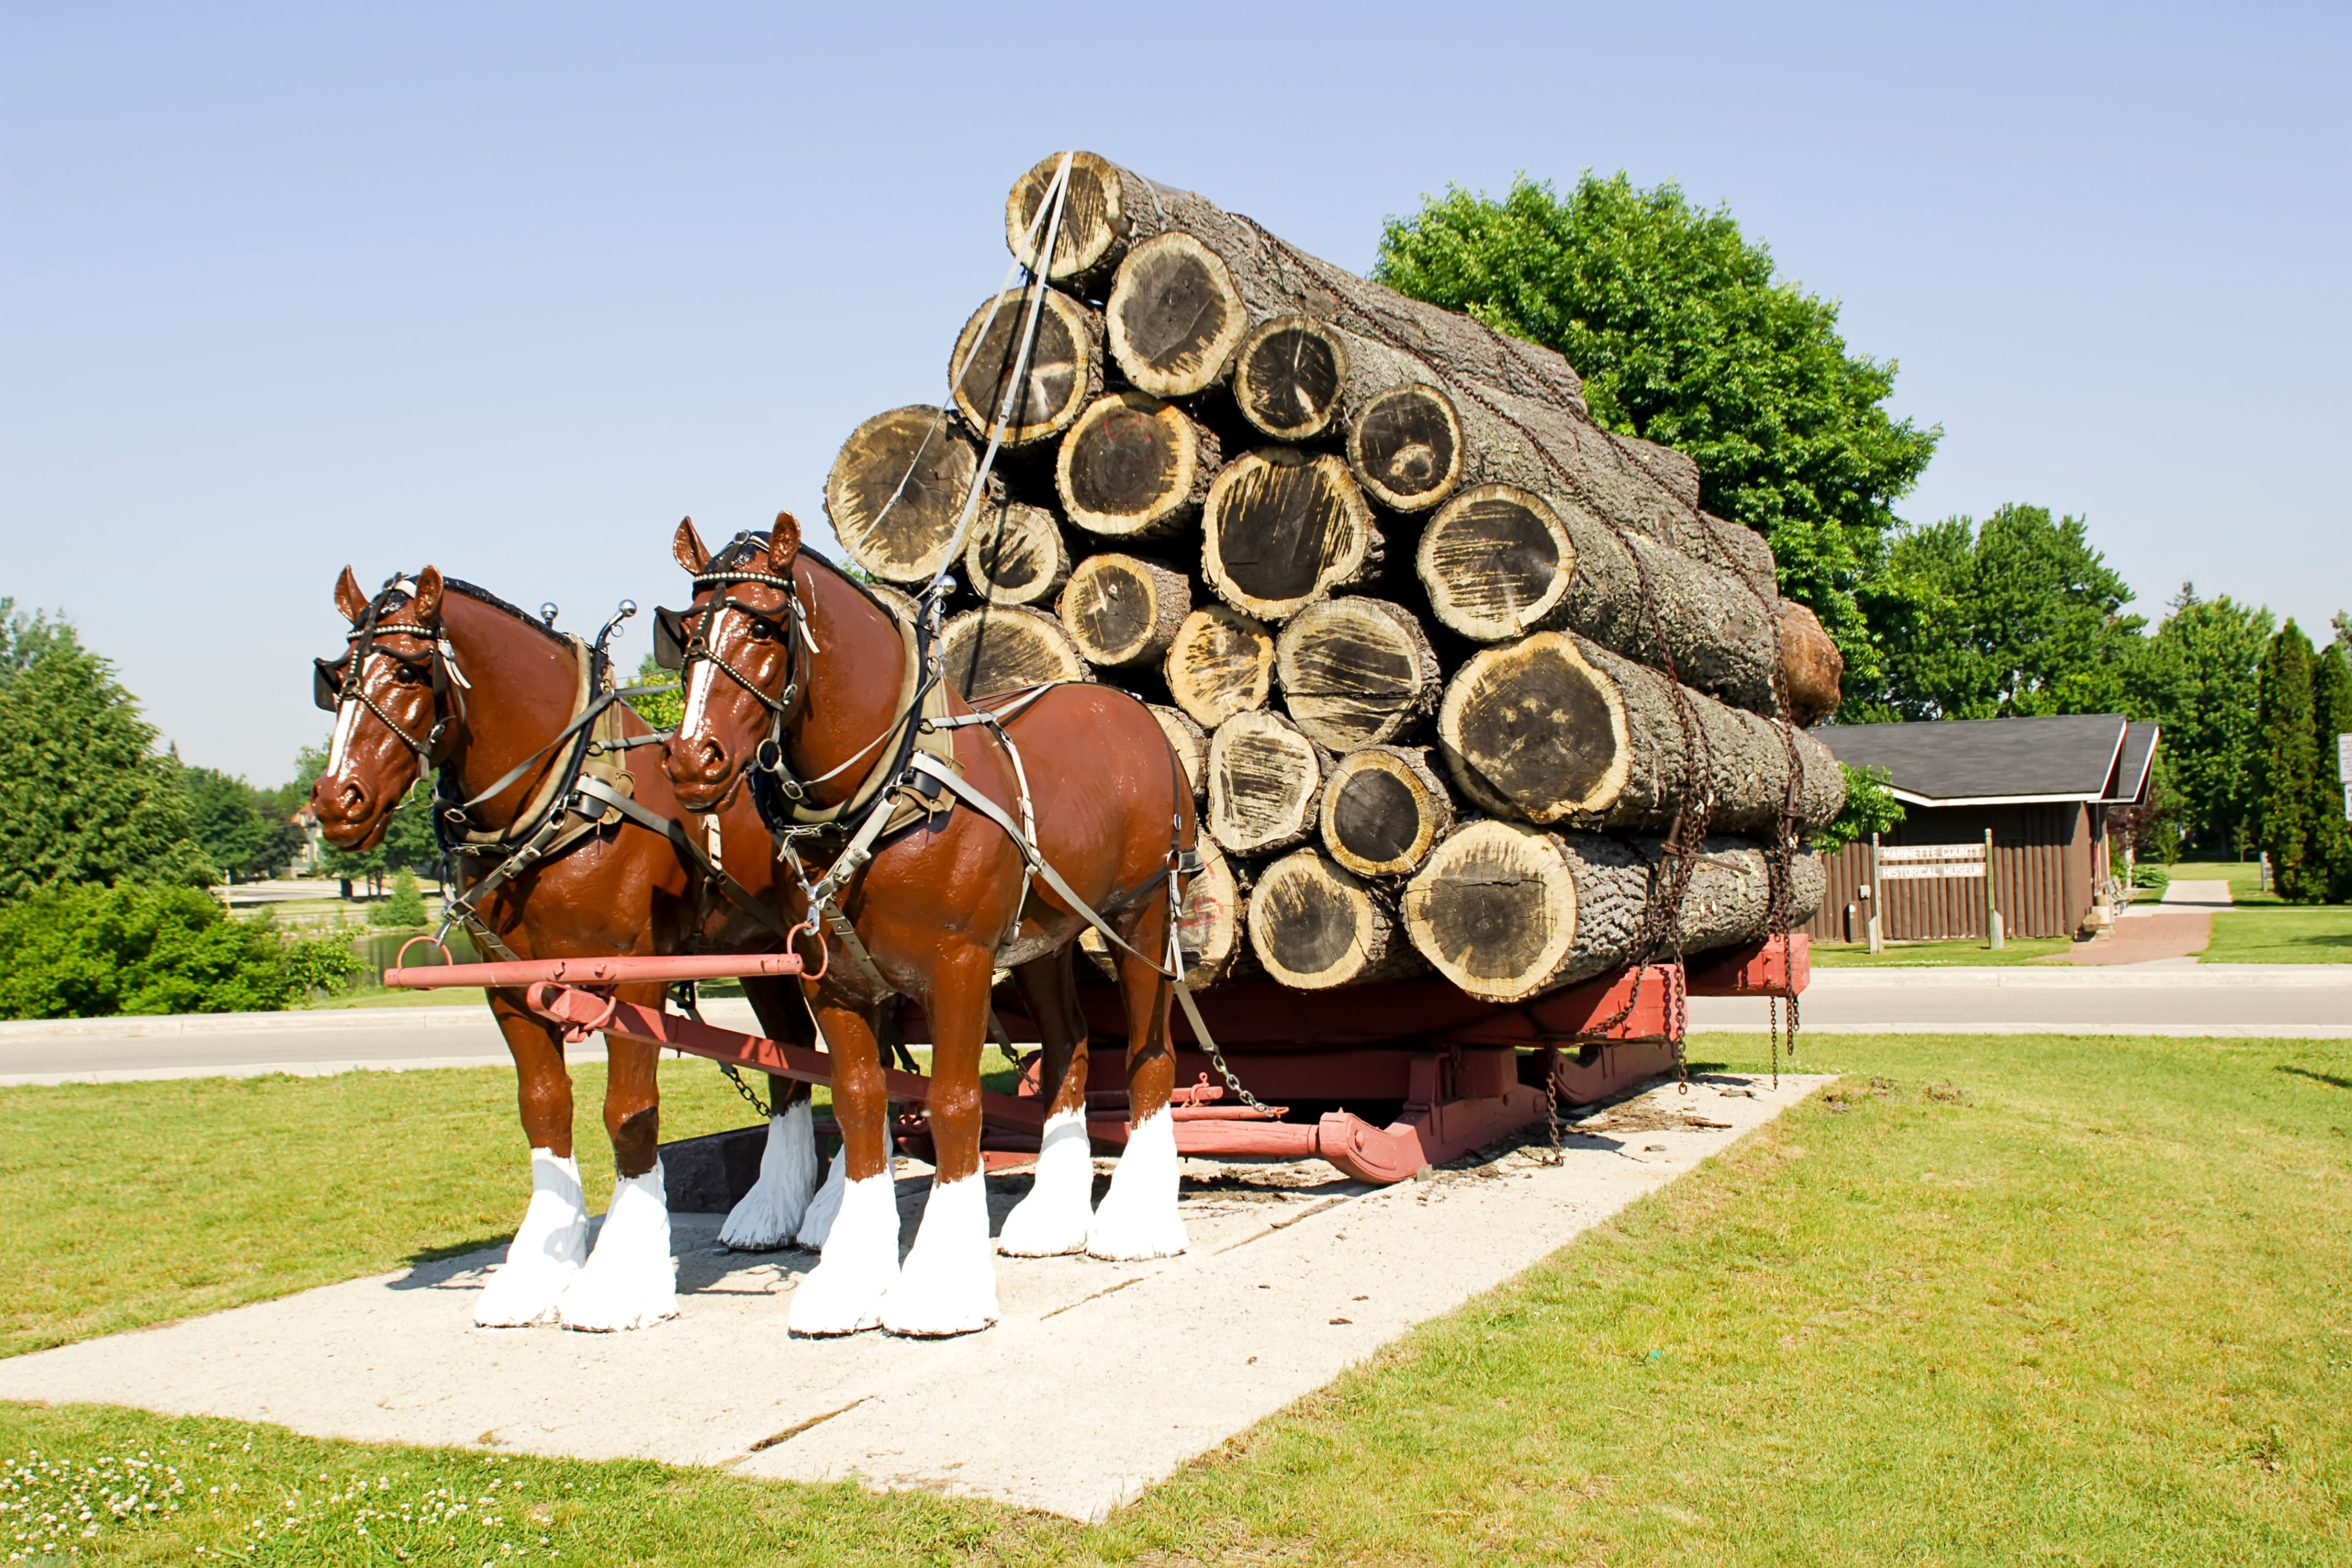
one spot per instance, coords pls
(597, 790)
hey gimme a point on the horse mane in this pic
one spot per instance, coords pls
(484, 596)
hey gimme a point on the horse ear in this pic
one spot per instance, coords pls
(426, 603)
(349, 599)
(783, 542)
(686, 548)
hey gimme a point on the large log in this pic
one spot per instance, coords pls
(1507, 911)
(1384, 809)
(1123, 612)
(1111, 210)
(1316, 925)
(1002, 647)
(1265, 781)
(1356, 671)
(1174, 317)
(1500, 562)
(1016, 555)
(1556, 729)
(897, 489)
(1220, 664)
(1065, 366)
(1213, 921)
(1135, 468)
(1189, 741)
(1282, 528)
(1812, 665)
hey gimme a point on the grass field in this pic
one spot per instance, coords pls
(1969, 953)
(1990, 1300)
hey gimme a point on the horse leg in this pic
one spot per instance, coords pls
(1138, 1218)
(1059, 1210)
(948, 1285)
(772, 1211)
(843, 1294)
(552, 1243)
(631, 1280)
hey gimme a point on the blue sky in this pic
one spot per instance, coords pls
(510, 290)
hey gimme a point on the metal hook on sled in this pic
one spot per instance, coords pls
(824, 951)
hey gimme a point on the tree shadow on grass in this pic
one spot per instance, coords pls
(2326, 1077)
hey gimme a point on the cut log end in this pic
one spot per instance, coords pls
(1016, 555)
(1287, 376)
(1494, 909)
(1134, 467)
(1534, 730)
(1189, 741)
(1315, 925)
(898, 601)
(1282, 528)
(1005, 647)
(1405, 445)
(1174, 316)
(1064, 370)
(1265, 779)
(1355, 673)
(1384, 809)
(1496, 561)
(1220, 664)
(1811, 665)
(895, 490)
(1123, 612)
(1094, 223)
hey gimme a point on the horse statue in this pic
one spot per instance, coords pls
(569, 846)
(801, 686)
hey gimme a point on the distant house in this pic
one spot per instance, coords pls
(2044, 786)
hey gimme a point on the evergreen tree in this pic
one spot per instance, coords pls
(84, 795)
(2196, 676)
(2331, 714)
(2289, 766)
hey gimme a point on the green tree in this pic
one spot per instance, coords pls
(2287, 771)
(405, 907)
(86, 951)
(84, 796)
(2019, 617)
(2197, 676)
(1870, 807)
(226, 814)
(1685, 336)
(663, 708)
(2331, 717)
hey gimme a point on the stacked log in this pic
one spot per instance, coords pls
(1445, 664)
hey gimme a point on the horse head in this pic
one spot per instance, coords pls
(740, 646)
(388, 694)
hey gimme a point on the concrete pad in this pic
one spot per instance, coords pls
(2194, 895)
(1101, 1379)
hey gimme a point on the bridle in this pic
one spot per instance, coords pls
(334, 682)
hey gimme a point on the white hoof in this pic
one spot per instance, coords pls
(772, 1211)
(1137, 1218)
(948, 1285)
(547, 1252)
(844, 1293)
(631, 1281)
(817, 1224)
(1060, 1208)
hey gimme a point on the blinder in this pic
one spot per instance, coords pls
(327, 683)
(669, 639)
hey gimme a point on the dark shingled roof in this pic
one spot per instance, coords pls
(1954, 761)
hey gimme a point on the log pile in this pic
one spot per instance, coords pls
(1446, 664)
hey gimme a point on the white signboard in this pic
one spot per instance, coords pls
(1920, 862)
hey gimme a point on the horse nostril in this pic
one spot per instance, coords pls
(714, 758)
(354, 800)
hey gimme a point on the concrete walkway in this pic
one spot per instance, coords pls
(1100, 1380)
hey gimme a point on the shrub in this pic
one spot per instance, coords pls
(405, 907)
(88, 951)
(2153, 877)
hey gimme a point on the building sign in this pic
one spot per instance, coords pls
(1919, 862)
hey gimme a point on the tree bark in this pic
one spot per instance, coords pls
(1507, 911)
(1557, 729)
(1212, 922)
(1135, 468)
(1065, 366)
(1384, 809)
(1174, 316)
(1315, 926)
(897, 489)
(1500, 562)
(1355, 673)
(1266, 780)
(1123, 612)
(1016, 555)
(1282, 528)
(1189, 741)
(1004, 647)
(1220, 664)
(1811, 664)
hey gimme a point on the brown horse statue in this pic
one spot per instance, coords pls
(795, 672)
(440, 674)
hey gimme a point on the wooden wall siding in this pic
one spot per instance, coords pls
(2043, 857)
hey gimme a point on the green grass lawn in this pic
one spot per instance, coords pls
(1969, 953)
(2244, 878)
(1990, 1300)
(2274, 932)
